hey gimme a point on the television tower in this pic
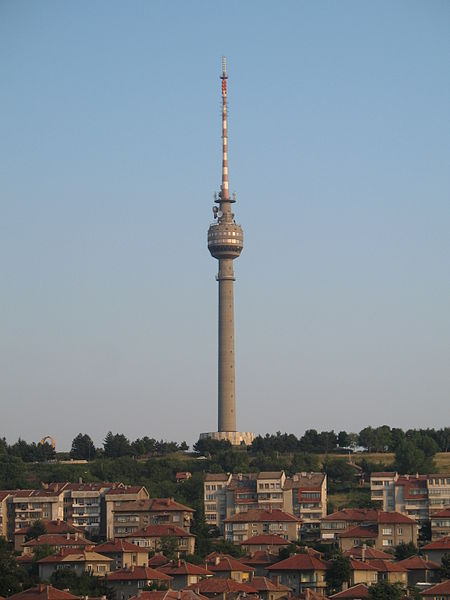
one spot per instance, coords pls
(225, 243)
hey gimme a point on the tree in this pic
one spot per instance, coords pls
(386, 591)
(85, 584)
(116, 445)
(82, 447)
(411, 459)
(403, 550)
(169, 546)
(445, 566)
(338, 573)
(340, 471)
(38, 528)
(12, 577)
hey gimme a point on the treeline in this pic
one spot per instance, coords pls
(27, 452)
(372, 439)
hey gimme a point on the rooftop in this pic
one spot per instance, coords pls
(258, 515)
(300, 562)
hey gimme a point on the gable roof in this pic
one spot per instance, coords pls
(268, 540)
(157, 531)
(169, 595)
(184, 568)
(119, 545)
(442, 543)
(152, 505)
(56, 526)
(359, 532)
(359, 565)
(43, 592)
(436, 590)
(260, 557)
(354, 593)
(218, 585)
(262, 584)
(370, 553)
(387, 566)
(71, 556)
(418, 563)
(225, 562)
(353, 514)
(137, 573)
(445, 512)
(57, 539)
(300, 562)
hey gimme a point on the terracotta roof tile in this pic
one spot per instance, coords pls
(442, 513)
(157, 531)
(184, 568)
(353, 514)
(438, 590)
(359, 565)
(57, 539)
(258, 515)
(138, 573)
(219, 585)
(223, 563)
(387, 566)
(359, 532)
(370, 553)
(169, 595)
(56, 526)
(300, 562)
(418, 563)
(269, 540)
(119, 545)
(152, 505)
(263, 584)
(442, 543)
(43, 592)
(354, 593)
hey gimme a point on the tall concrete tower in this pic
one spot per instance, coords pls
(225, 242)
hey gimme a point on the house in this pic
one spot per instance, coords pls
(225, 588)
(123, 554)
(420, 570)
(151, 537)
(345, 519)
(365, 552)
(182, 476)
(129, 517)
(29, 506)
(184, 573)
(440, 524)
(43, 592)
(85, 561)
(390, 571)
(357, 592)
(131, 581)
(259, 561)
(244, 525)
(441, 591)
(362, 572)
(270, 543)
(270, 590)
(301, 572)
(225, 566)
(117, 496)
(436, 550)
(56, 527)
(309, 498)
(309, 595)
(70, 541)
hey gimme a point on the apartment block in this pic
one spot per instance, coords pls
(4, 505)
(417, 496)
(129, 517)
(303, 495)
(245, 525)
(440, 524)
(28, 506)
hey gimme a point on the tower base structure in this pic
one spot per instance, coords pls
(236, 438)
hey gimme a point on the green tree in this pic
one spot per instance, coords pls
(411, 459)
(81, 585)
(169, 546)
(38, 528)
(116, 445)
(82, 447)
(12, 577)
(386, 591)
(338, 573)
(403, 550)
(339, 470)
(445, 566)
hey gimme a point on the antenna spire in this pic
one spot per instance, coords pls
(225, 194)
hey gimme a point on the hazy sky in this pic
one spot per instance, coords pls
(339, 151)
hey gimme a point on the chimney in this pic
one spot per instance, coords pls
(363, 553)
(139, 593)
(80, 480)
(41, 587)
(67, 536)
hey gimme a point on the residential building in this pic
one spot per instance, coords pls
(420, 570)
(440, 524)
(129, 517)
(357, 592)
(85, 561)
(58, 527)
(57, 541)
(303, 495)
(43, 592)
(260, 560)
(131, 581)
(364, 552)
(270, 590)
(150, 537)
(362, 572)
(353, 527)
(245, 525)
(184, 574)
(301, 572)
(118, 496)
(418, 496)
(390, 571)
(123, 554)
(28, 506)
(222, 588)
(435, 550)
(225, 566)
(4, 506)
(266, 542)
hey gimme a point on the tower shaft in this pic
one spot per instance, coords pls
(226, 381)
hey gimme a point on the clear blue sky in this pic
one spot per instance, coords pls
(339, 152)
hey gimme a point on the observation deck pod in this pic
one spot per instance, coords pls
(225, 240)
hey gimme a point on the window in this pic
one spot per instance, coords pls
(388, 542)
(387, 531)
(400, 531)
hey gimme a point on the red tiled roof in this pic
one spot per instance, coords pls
(119, 545)
(262, 584)
(158, 560)
(439, 590)
(57, 539)
(157, 531)
(269, 540)
(394, 517)
(356, 592)
(4, 494)
(299, 562)
(260, 557)
(442, 543)
(184, 568)
(228, 563)
(353, 514)
(153, 505)
(169, 595)
(387, 566)
(52, 527)
(382, 473)
(216, 477)
(359, 532)
(418, 563)
(359, 565)
(258, 515)
(74, 555)
(445, 512)
(309, 595)
(218, 585)
(43, 592)
(138, 573)
(370, 553)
